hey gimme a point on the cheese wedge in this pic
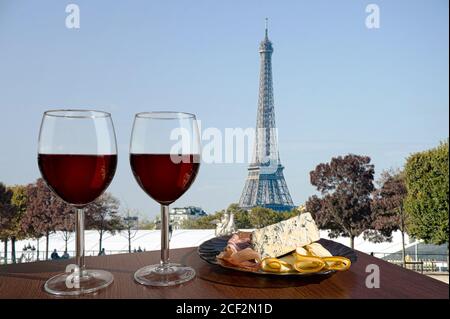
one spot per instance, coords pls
(284, 237)
(315, 249)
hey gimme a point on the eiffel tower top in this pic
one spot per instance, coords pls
(266, 148)
(267, 26)
(266, 45)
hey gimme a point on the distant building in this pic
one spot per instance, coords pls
(180, 214)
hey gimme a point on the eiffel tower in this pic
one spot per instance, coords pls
(265, 185)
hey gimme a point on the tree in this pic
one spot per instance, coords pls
(346, 184)
(257, 217)
(204, 222)
(6, 217)
(103, 216)
(241, 216)
(427, 201)
(388, 213)
(66, 224)
(147, 225)
(19, 205)
(261, 217)
(130, 226)
(242, 219)
(43, 213)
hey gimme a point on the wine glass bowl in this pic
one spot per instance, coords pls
(77, 179)
(163, 179)
(77, 158)
(165, 159)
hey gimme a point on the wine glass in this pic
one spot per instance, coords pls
(165, 158)
(77, 157)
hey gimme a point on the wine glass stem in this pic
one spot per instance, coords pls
(164, 235)
(80, 239)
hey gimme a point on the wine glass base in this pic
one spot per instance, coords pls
(163, 276)
(71, 284)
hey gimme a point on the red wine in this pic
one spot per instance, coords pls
(77, 179)
(162, 178)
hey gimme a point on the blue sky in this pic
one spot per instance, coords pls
(339, 87)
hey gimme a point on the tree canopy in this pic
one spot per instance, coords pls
(257, 217)
(388, 214)
(346, 184)
(19, 202)
(103, 216)
(427, 200)
(45, 212)
(6, 212)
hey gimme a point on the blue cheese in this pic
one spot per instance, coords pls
(284, 237)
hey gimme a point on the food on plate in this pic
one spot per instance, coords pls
(315, 249)
(337, 263)
(238, 252)
(275, 265)
(308, 264)
(289, 246)
(293, 263)
(305, 264)
(284, 237)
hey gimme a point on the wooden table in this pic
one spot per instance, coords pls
(26, 280)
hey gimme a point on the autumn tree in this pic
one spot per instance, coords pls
(388, 212)
(345, 184)
(43, 213)
(19, 206)
(6, 217)
(103, 216)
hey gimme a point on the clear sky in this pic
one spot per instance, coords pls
(339, 86)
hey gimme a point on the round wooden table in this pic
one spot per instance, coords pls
(27, 280)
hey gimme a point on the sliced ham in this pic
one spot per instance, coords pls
(238, 252)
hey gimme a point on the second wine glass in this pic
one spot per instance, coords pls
(165, 158)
